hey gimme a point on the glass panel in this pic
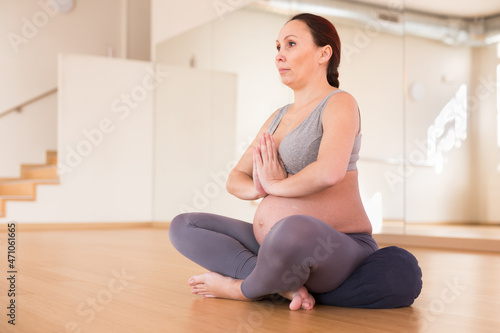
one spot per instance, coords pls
(498, 109)
(452, 177)
(426, 88)
(234, 89)
(190, 175)
(372, 69)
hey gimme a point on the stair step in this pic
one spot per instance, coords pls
(38, 166)
(51, 157)
(46, 171)
(18, 188)
(17, 197)
(7, 179)
(29, 181)
(24, 188)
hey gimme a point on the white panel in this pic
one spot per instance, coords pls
(194, 142)
(104, 144)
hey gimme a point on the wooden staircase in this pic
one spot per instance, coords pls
(24, 188)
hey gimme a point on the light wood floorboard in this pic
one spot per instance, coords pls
(133, 280)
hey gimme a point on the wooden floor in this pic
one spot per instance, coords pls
(133, 280)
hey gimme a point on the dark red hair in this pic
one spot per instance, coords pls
(324, 33)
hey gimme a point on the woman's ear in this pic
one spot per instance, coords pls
(325, 55)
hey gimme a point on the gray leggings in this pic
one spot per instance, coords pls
(298, 250)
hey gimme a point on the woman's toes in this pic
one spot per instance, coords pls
(307, 306)
(196, 279)
(296, 302)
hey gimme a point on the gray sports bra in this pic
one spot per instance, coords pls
(300, 147)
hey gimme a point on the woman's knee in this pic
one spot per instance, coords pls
(299, 227)
(177, 230)
(298, 232)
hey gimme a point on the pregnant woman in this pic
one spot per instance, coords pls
(310, 231)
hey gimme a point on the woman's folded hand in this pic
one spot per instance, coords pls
(268, 167)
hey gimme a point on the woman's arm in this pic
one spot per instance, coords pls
(240, 182)
(242, 186)
(340, 126)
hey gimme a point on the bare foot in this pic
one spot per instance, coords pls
(215, 285)
(300, 298)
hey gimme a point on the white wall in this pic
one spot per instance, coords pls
(30, 68)
(105, 145)
(139, 29)
(194, 136)
(223, 45)
(373, 70)
(171, 18)
(229, 45)
(484, 121)
(25, 136)
(34, 33)
(433, 195)
(226, 45)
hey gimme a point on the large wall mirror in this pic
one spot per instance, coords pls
(452, 133)
(426, 84)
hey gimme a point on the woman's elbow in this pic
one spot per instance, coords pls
(231, 189)
(230, 185)
(332, 178)
(234, 183)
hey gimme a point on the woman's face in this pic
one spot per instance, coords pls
(297, 56)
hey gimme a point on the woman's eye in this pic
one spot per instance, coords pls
(290, 43)
(278, 47)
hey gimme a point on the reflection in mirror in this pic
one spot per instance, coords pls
(451, 131)
(498, 109)
(371, 69)
(372, 41)
(426, 87)
(226, 45)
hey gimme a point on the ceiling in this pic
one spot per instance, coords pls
(457, 8)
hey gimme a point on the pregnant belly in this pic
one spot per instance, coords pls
(339, 206)
(272, 209)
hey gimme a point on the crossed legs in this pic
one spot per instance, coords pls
(299, 253)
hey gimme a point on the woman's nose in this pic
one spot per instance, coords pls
(280, 57)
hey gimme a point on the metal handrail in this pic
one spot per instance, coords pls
(20, 107)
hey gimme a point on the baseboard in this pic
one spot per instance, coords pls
(161, 225)
(22, 226)
(449, 243)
